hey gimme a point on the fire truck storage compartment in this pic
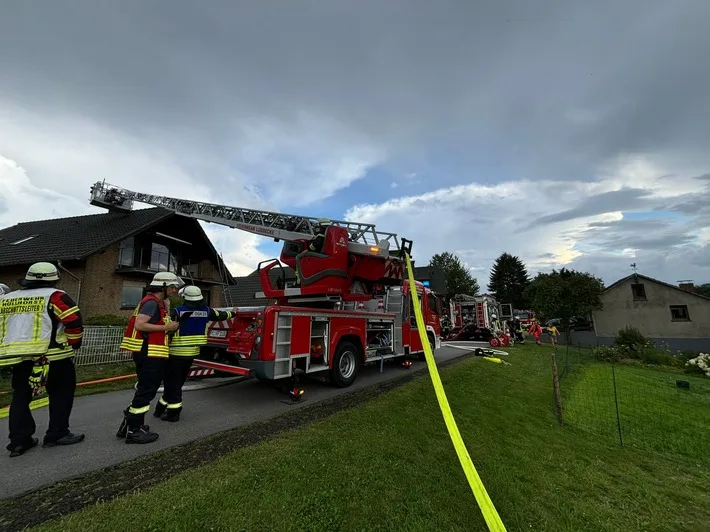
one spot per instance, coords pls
(301, 340)
(380, 333)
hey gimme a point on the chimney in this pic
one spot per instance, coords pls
(688, 286)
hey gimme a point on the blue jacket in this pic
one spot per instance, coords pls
(193, 328)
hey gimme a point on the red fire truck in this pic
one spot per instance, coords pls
(351, 307)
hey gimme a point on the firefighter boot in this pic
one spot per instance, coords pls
(171, 414)
(19, 450)
(160, 408)
(137, 432)
(124, 426)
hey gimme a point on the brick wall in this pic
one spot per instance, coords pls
(10, 275)
(101, 288)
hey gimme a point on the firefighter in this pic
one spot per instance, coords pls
(318, 240)
(42, 329)
(146, 336)
(193, 316)
(536, 331)
(316, 244)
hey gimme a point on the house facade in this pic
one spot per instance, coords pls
(661, 311)
(106, 260)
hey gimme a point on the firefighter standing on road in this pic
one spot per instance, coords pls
(40, 326)
(147, 338)
(193, 316)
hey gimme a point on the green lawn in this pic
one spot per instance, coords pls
(389, 465)
(653, 412)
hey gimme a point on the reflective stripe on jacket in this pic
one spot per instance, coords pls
(27, 330)
(193, 328)
(157, 341)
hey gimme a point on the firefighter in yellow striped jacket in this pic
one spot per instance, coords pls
(146, 336)
(194, 317)
(40, 330)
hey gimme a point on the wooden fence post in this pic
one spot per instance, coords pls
(556, 385)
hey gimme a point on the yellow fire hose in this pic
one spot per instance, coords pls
(490, 514)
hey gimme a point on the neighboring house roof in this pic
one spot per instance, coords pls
(77, 237)
(637, 276)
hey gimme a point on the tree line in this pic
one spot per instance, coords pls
(559, 294)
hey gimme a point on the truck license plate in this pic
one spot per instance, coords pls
(218, 334)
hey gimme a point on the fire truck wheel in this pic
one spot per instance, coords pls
(432, 344)
(345, 364)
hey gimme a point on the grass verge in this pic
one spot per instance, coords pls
(389, 465)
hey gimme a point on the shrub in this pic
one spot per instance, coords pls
(607, 354)
(699, 364)
(631, 340)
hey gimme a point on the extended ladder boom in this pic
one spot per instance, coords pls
(363, 237)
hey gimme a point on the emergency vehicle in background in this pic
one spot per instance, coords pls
(474, 317)
(352, 306)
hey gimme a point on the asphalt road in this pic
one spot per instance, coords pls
(205, 412)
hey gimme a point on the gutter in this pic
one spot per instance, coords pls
(78, 292)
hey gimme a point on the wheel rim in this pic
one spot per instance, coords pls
(347, 364)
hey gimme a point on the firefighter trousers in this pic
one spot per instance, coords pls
(61, 384)
(150, 374)
(175, 376)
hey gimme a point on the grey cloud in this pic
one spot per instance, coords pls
(619, 200)
(550, 88)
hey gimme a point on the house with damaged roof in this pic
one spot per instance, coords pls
(106, 260)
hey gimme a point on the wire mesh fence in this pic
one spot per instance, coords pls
(100, 345)
(652, 408)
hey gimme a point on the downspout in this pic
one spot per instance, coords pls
(78, 292)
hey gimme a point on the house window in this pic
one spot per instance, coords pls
(161, 259)
(190, 270)
(131, 294)
(679, 313)
(639, 292)
(126, 254)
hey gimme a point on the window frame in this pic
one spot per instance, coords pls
(634, 287)
(131, 284)
(671, 308)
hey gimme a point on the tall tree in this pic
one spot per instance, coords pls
(703, 289)
(458, 279)
(565, 294)
(508, 281)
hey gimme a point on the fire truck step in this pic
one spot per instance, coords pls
(317, 367)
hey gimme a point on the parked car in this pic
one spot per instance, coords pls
(577, 323)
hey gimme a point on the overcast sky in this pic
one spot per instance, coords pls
(565, 132)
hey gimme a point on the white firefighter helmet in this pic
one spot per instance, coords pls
(42, 271)
(166, 279)
(191, 293)
(4, 289)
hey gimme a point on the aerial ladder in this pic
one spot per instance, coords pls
(357, 262)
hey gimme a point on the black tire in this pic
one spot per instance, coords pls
(346, 364)
(432, 344)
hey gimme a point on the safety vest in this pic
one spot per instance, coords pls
(157, 341)
(26, 328)
(192, 332)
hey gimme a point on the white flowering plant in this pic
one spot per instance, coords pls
(701, 362)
